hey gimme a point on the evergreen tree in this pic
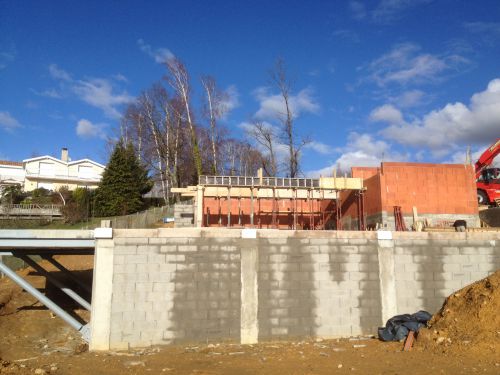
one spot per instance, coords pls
(123, 183)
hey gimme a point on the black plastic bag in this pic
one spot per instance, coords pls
(398, 327)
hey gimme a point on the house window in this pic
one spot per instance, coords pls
(85, 171)
(47, 169)
(46, 185)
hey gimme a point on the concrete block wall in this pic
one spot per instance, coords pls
(431, 266)
(174, 288)
(184, 215)
(312, 284)
(164, 286)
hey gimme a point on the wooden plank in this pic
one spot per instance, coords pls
(409, 341)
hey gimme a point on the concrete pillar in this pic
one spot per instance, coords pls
(102, 291)
(387, 275)
(249, 330)
(199, 207)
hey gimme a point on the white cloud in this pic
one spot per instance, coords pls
(58, 73)
(86, 129)
(409, 98)
(361, 150)
(455, 124)
(387, 113)
(320, 148)
(231, 99)
(7, 122)
(388, 10)
(491, 28)
(405, 64)
(346, 34)
(98, 92)
(49, 93)
(6, 58)
(159, 55)
(120, 77)
(273, 106)
(357, 9)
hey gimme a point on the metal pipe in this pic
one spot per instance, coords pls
(239, 210)
(59, 266)
(69, 292)
(41, 297)
(251, 206)
(229, 206)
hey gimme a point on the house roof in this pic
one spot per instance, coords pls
(12, 163)
(88, 161)
(44, 157)
(63, 162)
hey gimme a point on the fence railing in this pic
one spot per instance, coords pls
(256, 181)
(144, 219)
(30, 210)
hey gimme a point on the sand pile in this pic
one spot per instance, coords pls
(468, 320)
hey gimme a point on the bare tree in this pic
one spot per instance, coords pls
(153, 121)
(265, 137)
(214, 109)
(178, 79)
(279, 79)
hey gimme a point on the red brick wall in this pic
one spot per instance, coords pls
(263, 212)
(373, 200)
(432, 188)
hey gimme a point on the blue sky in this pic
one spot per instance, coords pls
(393, 80)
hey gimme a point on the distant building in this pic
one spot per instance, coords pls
(51, 173)
(11, 173)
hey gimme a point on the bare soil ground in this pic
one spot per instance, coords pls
(33, 341)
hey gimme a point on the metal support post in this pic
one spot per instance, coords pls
(229, 206)
(69, 292)
(361, 210)
(239, 210)
(295, 209)
(220, 211)
(83, 329)
(251, 206)
(338, 210)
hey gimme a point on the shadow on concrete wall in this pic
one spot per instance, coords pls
(207, 295)
(431, 274)
(286, 290)
(369, 299)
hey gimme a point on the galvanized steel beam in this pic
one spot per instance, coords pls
(83, 329)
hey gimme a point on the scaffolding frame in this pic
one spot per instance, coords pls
(274, 190)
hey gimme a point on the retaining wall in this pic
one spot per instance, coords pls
(208, 284)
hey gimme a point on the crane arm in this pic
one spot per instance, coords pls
(487, 157)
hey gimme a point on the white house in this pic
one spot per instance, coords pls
(51, 173)
(11, 173)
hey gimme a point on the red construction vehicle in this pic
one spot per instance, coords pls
(488, 179)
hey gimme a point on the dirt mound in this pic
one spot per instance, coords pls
(469, 320)
(491, 216)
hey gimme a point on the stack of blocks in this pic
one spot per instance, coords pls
(184, 215)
